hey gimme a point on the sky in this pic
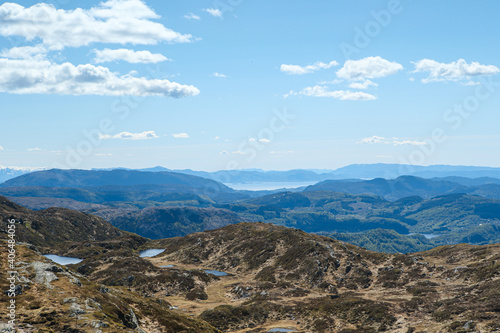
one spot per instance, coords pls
(239, 84)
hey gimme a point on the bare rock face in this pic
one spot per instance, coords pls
(43, 273)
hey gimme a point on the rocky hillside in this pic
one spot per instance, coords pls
(316, 284)
(52, 226)
(53, 298)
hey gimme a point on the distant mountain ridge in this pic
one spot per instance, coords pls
(406, 186)
(353, 171)
(7, 173)
(85, 178)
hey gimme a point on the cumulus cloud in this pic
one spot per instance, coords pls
(37, 52)
(362, 85)
(343, 95)
(368, 68)
(131, 56)
(394, 141)
(45, 77)
(263, 140)
(453, 71)
(299, 70)
(130, 136)
(35, 149)
(373, 139)
(409, 143)
(113, 21)
(192, 16)
(214, 12)
(219, 75)
(180, 135)
(1, 148)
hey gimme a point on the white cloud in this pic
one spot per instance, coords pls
(362, 85)
(394, 141)
(299, 70)
(113, 21)
(216, 138)
(454, 71)
(37, 52)
(213, 12)
(103, 154)
(336, 81)
(192, 16)
(130, 136)
(35, 149)
(343, 95)
(180, 135)
(1, 148)
(409, 143)
(131, 56)
(373, 139)
(44, 77)
(260, 140)
(368, 68)
(219, 75)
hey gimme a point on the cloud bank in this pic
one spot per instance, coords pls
(45, 77)
(114, 21)
(131, 56)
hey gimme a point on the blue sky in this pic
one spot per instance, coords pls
(212, 85)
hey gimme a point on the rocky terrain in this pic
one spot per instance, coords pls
(277, 277)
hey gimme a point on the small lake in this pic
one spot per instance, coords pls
(62, 260)
(281, 329)
(150, 253)
(429, 236)
(267, 186)
(167, 266)
(216, 273)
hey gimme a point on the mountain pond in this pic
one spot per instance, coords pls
(62, 260)
(150, 253)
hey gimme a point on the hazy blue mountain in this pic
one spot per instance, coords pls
(458, 174)
(391, 189)
(470, 181)
(353, 171)
(86, 178)
(7, 173)
(97, 186)
(391, 171)
(405, 186)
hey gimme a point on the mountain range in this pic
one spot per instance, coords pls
(353, 171)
